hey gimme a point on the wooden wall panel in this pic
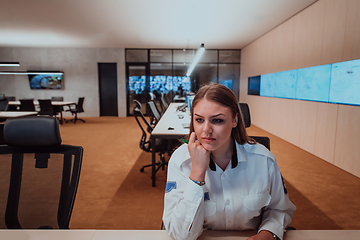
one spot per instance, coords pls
(347, 150)
(308, 37)
(308, 119)
(334, 31)
(285, 119)
(283, 46)
(352, 32)
(326, 131)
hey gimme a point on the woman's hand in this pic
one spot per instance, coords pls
(262, 235)
(200, 158)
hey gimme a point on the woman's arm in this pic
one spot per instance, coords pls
(278, 214)
(183, 205)
(183, 208)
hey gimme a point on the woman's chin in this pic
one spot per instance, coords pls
(209, 147)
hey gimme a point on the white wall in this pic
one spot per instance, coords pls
(326, 32)
(80, 74)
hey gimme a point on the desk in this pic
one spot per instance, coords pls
(169, 119)
(54, 103)
(161, 234)
(10, 114)
(177, 99)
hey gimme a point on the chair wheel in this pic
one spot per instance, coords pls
(142, 170)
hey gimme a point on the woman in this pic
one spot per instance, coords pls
(223, 180)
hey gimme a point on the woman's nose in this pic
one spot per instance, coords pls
(207, 127)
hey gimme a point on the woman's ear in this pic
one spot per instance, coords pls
(235, 122)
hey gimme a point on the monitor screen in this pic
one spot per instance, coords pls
(46, 80)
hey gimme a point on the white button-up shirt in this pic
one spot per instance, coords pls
(249, 195)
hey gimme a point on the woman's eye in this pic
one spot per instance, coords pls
(216, 120)
(199, 120)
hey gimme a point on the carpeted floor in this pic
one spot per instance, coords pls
(114, 194)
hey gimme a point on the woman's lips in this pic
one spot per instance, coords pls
(208, 139)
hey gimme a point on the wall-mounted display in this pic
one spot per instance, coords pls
(333, 83)
(46, 80)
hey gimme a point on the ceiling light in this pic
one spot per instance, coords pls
(30, 73)
(9, 64)
(199, 53)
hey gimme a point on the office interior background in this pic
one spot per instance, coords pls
(323, 32)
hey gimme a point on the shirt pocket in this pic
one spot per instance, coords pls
(253, 204)
(209, 208)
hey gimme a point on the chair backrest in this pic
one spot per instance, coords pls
(143, 124)
(11, 98)
(262, 140)
(163, 103)
(46, 108)
(79, 106)
(245, 111)
(4, 105)
(154, 112)
(47, 192)
(27, 105)
(57, 98)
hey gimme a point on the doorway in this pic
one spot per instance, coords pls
(108, 100)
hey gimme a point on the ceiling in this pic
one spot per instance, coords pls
(219, 24)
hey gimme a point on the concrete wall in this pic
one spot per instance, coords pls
(80, 74)
(326, 32)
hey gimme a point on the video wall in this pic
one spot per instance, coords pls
(159, 83)
(333, 83)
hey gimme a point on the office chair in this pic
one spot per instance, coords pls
(57, 109)
(245, 111)
(44, 174)
(4, 104)
(153, 113)
(27, 105)
(46, 108)
(164, 105)
(145, 141)
(78, 109)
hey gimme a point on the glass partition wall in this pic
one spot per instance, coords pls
(156, 71)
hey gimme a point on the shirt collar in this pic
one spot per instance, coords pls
(234, 160)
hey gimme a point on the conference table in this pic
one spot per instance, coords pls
(54, 103)
(11, 114)
(162, 235)
(173, 124)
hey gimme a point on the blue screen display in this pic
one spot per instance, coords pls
(313, 83)
(345, 82)
(159, 83)
(267, 85)
(285, 83)
(335, 83)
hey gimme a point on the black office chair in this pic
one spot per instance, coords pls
(46, 108)
(164, 105)
(27, 105)
(78, 109)
(245, 111)
(153, 113)
(46, 193)
(57, 109)
(145, 141)
(4, 104)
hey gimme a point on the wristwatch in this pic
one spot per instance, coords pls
(198, 182)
